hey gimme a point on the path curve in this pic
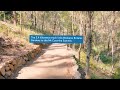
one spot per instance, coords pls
(56, 62)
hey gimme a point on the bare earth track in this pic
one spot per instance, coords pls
(55, 62)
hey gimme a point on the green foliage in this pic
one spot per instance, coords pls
(118, 36)
(8, 15)
(93, 76)
(22, 45)
(95, 50)
(117, 74)
(1, 15)
(3, 28)
(95, 67)
(105, 59)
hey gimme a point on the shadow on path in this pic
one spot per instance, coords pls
(16, 72)
(50, 64)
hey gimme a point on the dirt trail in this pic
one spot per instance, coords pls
(56, 62)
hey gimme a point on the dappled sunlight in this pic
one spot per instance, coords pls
(54, 65)
(96, 57)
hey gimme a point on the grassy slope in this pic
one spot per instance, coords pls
(13, 31)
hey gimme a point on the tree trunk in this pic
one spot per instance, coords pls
(35, 19)
(79, 52)
(4, 17)
(55, 21)
(14, 18)
(112, 55)
(32, 22)
(43, 21)
(59, 28)
(21, 20)
(112, 39)
(73, 33)
(89, 43)
(84, 45)
(67, 44)
(88, 52)
(81, 33)
(63, 31)
(109, 44)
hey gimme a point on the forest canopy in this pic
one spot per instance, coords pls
(100, 29)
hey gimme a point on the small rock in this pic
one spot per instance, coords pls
(6, 76)
(87, 77)
(10, 61)
(29, 57)
(32, 55)
(8, 73)
(9, 77)
(2, 71)
(25, 58)
(23, 62)
(15, 67)
(1, 77)
(11, 67)
(19, 62)
(7, 68)
(14, 62)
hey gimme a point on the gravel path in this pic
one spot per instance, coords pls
(55, 62)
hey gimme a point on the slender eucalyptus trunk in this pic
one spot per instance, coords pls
(43, 21)
(89, 42)
(55, 22)
(35, 20)
(73, 33)
(14, 18)
(21, 21)
(4, 17)
(112, 40)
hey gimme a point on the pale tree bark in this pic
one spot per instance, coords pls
(63, 31)
(108, 44)
(32, 22)
(14, 18)
(43, 20)
(35, 19)
(81, 33)
(59, 28)
(73, 33)
(21, 20)
(4, 17)
(84, 27)
(112, 38)
(67, 44)
(55, 22)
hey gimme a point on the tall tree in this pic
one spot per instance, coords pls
(43, 20)
(89, 41)
(55, 22)
(14, 18)
(4, 17)
(35, 19)
(73, 33)
(21, 20)
(112, 37)
(81, 33)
